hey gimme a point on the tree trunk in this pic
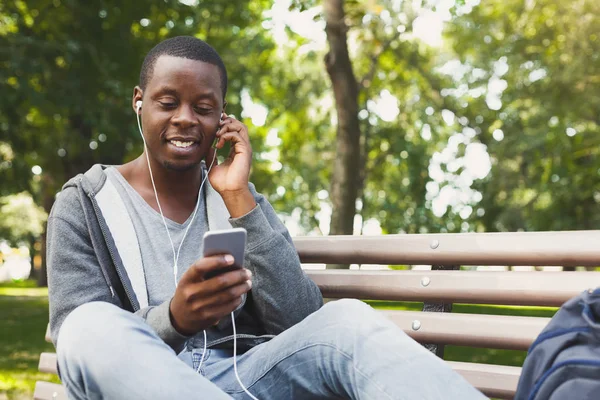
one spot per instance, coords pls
(42, 278)
(35, 273)
(47, 193)
(344, 183)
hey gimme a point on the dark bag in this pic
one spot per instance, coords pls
(564, 361)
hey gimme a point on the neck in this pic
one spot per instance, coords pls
(183, 185)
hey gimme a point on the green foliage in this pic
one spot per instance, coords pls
(388, 61)
(21, 220)
(67, 70)
(546, 169)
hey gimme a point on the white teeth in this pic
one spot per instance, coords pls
(181, 144)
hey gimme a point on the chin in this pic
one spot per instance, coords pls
(181, 166)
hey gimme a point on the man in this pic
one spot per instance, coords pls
(118, 236)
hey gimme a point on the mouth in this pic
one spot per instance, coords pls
(182, 144)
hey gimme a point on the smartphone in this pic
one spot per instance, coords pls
(227, 241)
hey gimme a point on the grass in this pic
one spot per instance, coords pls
(24, 316)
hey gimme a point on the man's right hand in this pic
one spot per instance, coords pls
(199, 303)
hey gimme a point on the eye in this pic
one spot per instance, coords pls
(203, 110)
(167, 104)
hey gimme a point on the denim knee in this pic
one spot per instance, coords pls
(88, 326)
(348, 310)
(350, 315)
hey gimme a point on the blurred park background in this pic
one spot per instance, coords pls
(366, 117)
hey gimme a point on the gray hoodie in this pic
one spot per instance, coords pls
(85, 264)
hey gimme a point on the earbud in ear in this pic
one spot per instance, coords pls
(214, 144)
(138, 105)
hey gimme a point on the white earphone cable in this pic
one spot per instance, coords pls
(203, 352)
(155, 191)
(235, 359)
(176, 255)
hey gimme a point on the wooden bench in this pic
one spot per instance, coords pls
(446, 284)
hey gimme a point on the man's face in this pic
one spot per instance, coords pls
(182, 105)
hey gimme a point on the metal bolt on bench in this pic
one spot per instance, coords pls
(437, 349)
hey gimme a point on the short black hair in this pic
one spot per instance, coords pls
(185, 47)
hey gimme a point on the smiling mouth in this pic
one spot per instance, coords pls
(181, 144)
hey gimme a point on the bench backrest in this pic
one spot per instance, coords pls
(440, 287)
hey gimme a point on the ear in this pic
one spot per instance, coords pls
(138, 94)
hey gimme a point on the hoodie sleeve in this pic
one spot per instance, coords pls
(159, 318)
(74, 273)
(283, 294)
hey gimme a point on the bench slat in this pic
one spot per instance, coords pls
(565, 248)
(498, 381)
(49, 391)
(493, 380)
(473, 330)
(511, 288)
(48, 363)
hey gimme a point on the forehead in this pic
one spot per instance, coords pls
(185, 74)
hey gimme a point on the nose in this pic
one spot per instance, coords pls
(184, 117)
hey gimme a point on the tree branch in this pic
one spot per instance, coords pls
(366, 80)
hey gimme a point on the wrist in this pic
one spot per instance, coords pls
(238, 202)
(174, 323)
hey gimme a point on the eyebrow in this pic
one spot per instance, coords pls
(166, 90)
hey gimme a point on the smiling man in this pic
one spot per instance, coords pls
(132, 311)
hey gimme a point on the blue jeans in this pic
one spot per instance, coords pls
(344, 350)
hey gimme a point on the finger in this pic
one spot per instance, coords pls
(232, 124)
(239, 128)
(227, 280)
(213, 314)
(198, 269)
(227, 120)
(223, 310)
(231, 293)
(234, 137)
(216, 290)
(225, 116)
(208, 294)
